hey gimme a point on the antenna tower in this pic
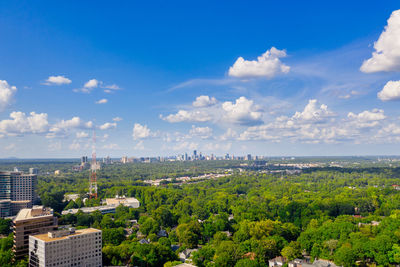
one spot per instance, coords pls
(93, 174)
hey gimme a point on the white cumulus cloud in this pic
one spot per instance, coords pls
(204, 101)
(20, 123)
(313, 112)
(367, 118)
(64, 126)
(391, 91)
(386, 56)
(112, 87)
(57, 80)
(108, 125)
(82, 135)
(202, 132)
(188, 115)
(141, 132)
(102, 101)
(267, 65)
(117, 119)
(93, 83)
(89, 86)
(243, 112)
(7, 93)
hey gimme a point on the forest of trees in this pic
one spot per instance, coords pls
(349, 216)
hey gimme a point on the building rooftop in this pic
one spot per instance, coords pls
(36, 211)
(64, 234)
(112, 203)
(185, 265)
(127, 201)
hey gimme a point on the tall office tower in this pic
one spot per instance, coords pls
(37, 220)
(66, 248)
(19, 188)
(248, 156)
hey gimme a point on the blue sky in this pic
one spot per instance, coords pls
(167, 77)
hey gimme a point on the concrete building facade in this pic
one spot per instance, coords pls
(66, 248)
(28, 222)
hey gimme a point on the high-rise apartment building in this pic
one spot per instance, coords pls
(66, 248)
(23, 186)
(19, 188)
(36, 220)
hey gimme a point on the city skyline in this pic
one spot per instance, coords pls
(256, 78)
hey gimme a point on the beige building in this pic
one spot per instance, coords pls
(28, 222)
(130, 202)
(23, 187)
(66, 248)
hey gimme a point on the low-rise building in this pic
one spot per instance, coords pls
(130, 202)
(278, 261)
(185, 255)
(307, 263)
(112, 204)
(66, 248)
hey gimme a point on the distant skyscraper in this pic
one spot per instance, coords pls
(84, 160)
(107, 160)
(248, 156)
